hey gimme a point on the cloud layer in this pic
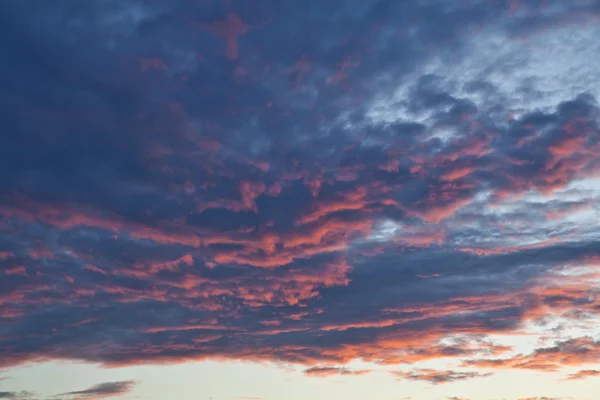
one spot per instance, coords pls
(392, 182)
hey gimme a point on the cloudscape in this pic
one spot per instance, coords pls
(292, 200)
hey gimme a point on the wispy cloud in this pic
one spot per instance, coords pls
(583, 374)
(438, 377)
(102, 390)
(328, 371)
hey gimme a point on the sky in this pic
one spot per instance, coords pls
(293, 200)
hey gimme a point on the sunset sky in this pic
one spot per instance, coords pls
(300, 199)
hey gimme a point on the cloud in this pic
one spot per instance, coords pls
(583, 374)
(102, 390)
(572, 352)
(540, 398)
(439, 377)
(328, 371)
(23, 395)
(315, 184)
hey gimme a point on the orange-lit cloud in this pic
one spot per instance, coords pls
(583, 374)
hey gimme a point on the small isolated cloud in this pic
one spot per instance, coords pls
(438, 377)
(105, 390)
(22, 395)
(102, 390)
(541, 398)
(586, 373)
(328, 371)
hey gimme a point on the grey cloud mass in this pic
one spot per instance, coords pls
(312, 183)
